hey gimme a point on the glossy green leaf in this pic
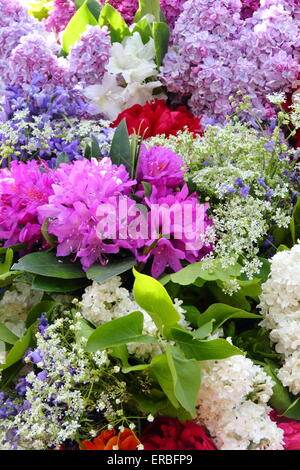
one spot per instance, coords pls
(144, 29)
(153, 297)
(6, 264)
(148, 7)
(50, 239)
(162, 373)
(293, 411)
(16, 353)
(52, 284)
(62, 158)
(186, 378)
(77, 26)
(48, 264)
(203, 350)
(6, 335)
(120, 152)
(280, 399)
(220, 313)
(100, 273)
(85, 331)
(16, 247)
(161, 36)
(295, 222)
(117, 26)
(120, 331)
(204, 331)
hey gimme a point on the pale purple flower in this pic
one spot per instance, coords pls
(60, 15)
(89, 56)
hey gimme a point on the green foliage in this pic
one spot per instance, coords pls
(144, 29)
(295, 222)
(16, 353)
(47, 264)
(77, 26)
(52, 284)
(153, 297)
(161, 35)
(118, 28)
(6, 335)
(148, 7)
(280, 399)
(100, 273)
(220, 313)
(124, 330)
(45, 306)
(7, 276)
(120, 152)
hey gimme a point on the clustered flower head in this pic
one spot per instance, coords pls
(215, 53)
(59, 15)
(232, 405)
(280, 305)
(23, 188)
(89, 56)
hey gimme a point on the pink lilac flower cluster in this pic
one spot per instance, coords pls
(215, 53)
(171, 9)
(89, 56)
(23, 188)
(127, 8)
(60, 15)
(249, 7)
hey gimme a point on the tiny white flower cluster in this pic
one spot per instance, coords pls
(232, 405)
(280, 305)
(105, 302)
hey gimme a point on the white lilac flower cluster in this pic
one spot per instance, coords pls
(251, 176)
(14, 307)
(127, 81)
(232, 404)
(101, 303)
(280, 305)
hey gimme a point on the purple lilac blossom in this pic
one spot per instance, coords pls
(89, 56)
(60, 15)
(23, 188)
(215, 53)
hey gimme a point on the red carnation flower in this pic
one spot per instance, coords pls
(157, 118)
(291, 429)
(169, 434)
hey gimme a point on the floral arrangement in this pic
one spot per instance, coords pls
(149, 225)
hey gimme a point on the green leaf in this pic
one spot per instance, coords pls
(194, 271)
(162, 373)
(5, 266)
(86, 329)
(100, 273)
(17, 247)
(293, 411)
(7, 278)
(147, 188)
(204, 331)
(153, 297)
(161, 36)
(295, 222)
(45, 306)
(280, 399)
(186, 378)
(148, 7)
(16, 353)
(282, 248)
(203, 350)
(52, 284)
(6, 335)
(47, 264)
(120, 331)
(120, 147)
(118, 28)
(95, 148)
(95, 8)
(221, 313)
(50, 239)
(9, 374)
(191, 314)
(144, 29)
(77, 26)
(62, 158)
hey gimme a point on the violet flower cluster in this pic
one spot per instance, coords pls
(215, 53)
(60, 15)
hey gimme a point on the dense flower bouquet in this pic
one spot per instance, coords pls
(149, 225)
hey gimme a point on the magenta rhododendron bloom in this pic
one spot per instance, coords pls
(23, 188)
(81, 190)
(291, 429)
(161, 167)
(178, 230)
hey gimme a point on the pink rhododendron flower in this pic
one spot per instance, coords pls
(291, 429)
(23, 188)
